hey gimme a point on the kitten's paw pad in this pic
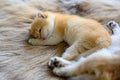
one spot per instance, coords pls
(112, 24)
(54, 62)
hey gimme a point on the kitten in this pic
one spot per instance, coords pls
(103, 62)
(81, 34)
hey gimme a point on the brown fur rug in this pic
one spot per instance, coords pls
(21, 61)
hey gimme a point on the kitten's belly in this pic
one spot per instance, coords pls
(71, 35)
(69, 39)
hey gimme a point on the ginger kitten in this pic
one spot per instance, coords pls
(80, 33)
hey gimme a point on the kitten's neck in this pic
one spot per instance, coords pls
(51, 20)
(60, 24)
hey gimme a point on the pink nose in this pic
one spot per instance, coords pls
(43, 38)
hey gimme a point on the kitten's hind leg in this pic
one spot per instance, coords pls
(114, 26)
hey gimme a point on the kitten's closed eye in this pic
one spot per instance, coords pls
(39, 30)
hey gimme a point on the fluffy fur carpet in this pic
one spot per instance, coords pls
(21, 61)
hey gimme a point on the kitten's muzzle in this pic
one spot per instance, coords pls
(43, 38)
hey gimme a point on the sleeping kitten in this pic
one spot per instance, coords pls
(103, 62)
(81, 34)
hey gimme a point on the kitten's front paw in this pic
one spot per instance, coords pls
(32, 41)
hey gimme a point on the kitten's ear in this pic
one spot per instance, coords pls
(41, 15)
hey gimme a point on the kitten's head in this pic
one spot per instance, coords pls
(42, 26)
